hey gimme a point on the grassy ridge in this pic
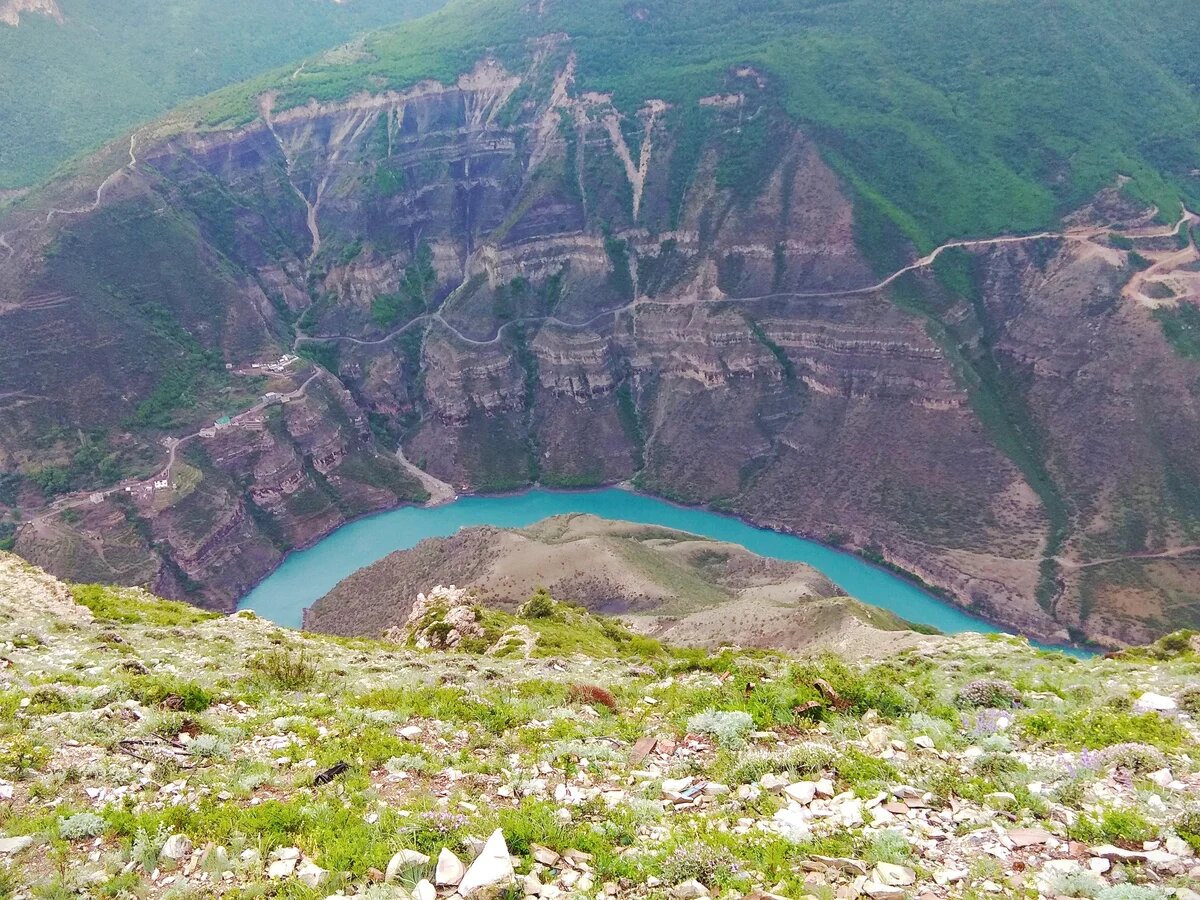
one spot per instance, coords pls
(955, 118)
(65, 88)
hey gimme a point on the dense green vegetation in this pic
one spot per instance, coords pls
(65, 88)
(420, 278)
(949, 118)
(1182, 328)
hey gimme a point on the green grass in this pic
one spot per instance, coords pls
(951, 118)
(132, 607)
(70, 87)
(1093, 728)
(1181, 327)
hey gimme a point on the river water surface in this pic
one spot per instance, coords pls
(307, 575)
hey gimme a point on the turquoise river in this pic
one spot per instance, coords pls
(306, 575)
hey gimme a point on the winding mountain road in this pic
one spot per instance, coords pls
(95, 204)
(81, 498)
(1076, 234)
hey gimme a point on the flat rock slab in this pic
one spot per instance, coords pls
(1029, 837)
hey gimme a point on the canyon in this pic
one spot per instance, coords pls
(508, 280)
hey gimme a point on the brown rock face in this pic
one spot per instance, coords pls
(519, 284)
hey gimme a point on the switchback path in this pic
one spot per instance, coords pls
(95, 204)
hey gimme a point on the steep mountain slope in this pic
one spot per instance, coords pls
(148, 749)
(692, 591)
(614, 241)
(75, 73)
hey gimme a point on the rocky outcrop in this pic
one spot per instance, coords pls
(12, 10)
(504, 285)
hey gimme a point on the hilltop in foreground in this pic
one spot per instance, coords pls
(150, 749)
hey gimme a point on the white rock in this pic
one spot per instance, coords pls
(176, 848)
(1053, 871)
(949, 876)
(1162, 777)
(405, 859)
(773, 783)
(13, 845)
(450, 870)
(893, 875)
(409, 732)
(803, 792)
(1152, 702)
(312, 874)
(1178, 846)
(491, 871)
(689, 890)
(793, 824)
(924, 742)
(878, 739)
(281, 868)
(849, 813)
(424, 891)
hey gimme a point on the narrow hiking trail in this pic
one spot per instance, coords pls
(1075, 234)
(1173, 553)
(95, 204)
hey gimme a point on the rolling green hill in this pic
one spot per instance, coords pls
(949, 117)
(67, 87)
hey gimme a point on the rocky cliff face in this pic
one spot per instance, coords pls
(12, 10)
(517, 282)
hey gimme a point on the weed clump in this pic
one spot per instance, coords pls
(1132, 892)
(1074, 884)
(805, 759)
(889, 847)
(1137, 759)
(539, 606)
(209, 746)
(81, 825)
(707, 865)
(729, 728)
(591, 694)
(282, 668)
(990, 693)
(1189, 700)
(1187, 826)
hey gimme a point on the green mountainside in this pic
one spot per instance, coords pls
(67, 86)
(151, 750)
(950, 118)
(580, 243)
